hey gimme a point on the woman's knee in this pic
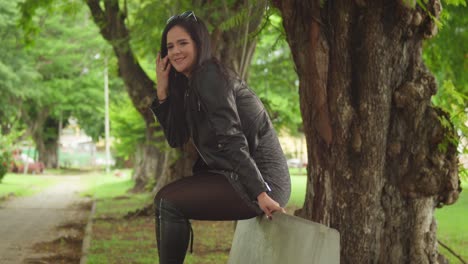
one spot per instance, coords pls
(169, 210)
(167, 191)
(156, 199)
(161, 194)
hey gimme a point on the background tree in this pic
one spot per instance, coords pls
(64, 56)
(114, 23)
(273, 78)
(17, 74)
(381, 157)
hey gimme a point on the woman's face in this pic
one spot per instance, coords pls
(181, 50)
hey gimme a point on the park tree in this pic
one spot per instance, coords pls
(63, 53)
(46, 79)
(233, 39)
(233, 45)
(381, 156)
(273, 78)
(17, 75)
(12, 71)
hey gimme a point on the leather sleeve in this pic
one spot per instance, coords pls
(171, 116)
(219, 101)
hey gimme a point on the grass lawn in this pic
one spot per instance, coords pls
(24, 184)
(452, 224)
(452, 220)
(298, 190)
(116, 239)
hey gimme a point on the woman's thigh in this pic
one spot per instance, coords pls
(206, 197)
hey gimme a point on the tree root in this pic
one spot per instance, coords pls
(147, 210)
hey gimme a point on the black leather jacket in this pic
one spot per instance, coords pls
(226, 121)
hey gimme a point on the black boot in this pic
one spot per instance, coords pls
(156, 226)
(172, 233)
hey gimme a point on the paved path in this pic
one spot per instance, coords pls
(25, 221)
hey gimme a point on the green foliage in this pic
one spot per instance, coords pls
(445, 56)
(423, 5)
(29, 9)
(87, 104)
(67, 54)
(6, 150)
(238, 19)
(64, 55)
(450, 138)
(128, 128)
(17, 74)
(454, 2)
(5, 159)
(73, 73)
(146, 20)
(273, 77)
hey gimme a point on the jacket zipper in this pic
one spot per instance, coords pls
(199, 153)
(199, 108)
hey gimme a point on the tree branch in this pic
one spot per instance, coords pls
(111, 22)
(98, 17)
(451, 251)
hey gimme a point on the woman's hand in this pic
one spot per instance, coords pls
(162, 74)
(268, 205)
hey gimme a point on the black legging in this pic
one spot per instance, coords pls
(206, 196)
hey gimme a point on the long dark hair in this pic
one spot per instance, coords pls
(200, 36)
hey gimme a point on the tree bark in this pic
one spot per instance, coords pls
(46, 140)
(381, 157)
(48, 152)
(182, 167)
(235, 45)
(43, 129)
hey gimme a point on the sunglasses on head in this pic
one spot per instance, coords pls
(184, 15)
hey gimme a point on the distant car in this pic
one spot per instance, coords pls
(33, 168)
(294, 163)
(20, 161)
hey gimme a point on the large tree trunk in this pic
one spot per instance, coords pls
(48, 152)
(44, 130)
(147, 161)
(381, 157)
(46, 139)
(181, 165)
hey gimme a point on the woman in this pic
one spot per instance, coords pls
(241, 170)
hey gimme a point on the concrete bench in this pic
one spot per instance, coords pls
(284, 240)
